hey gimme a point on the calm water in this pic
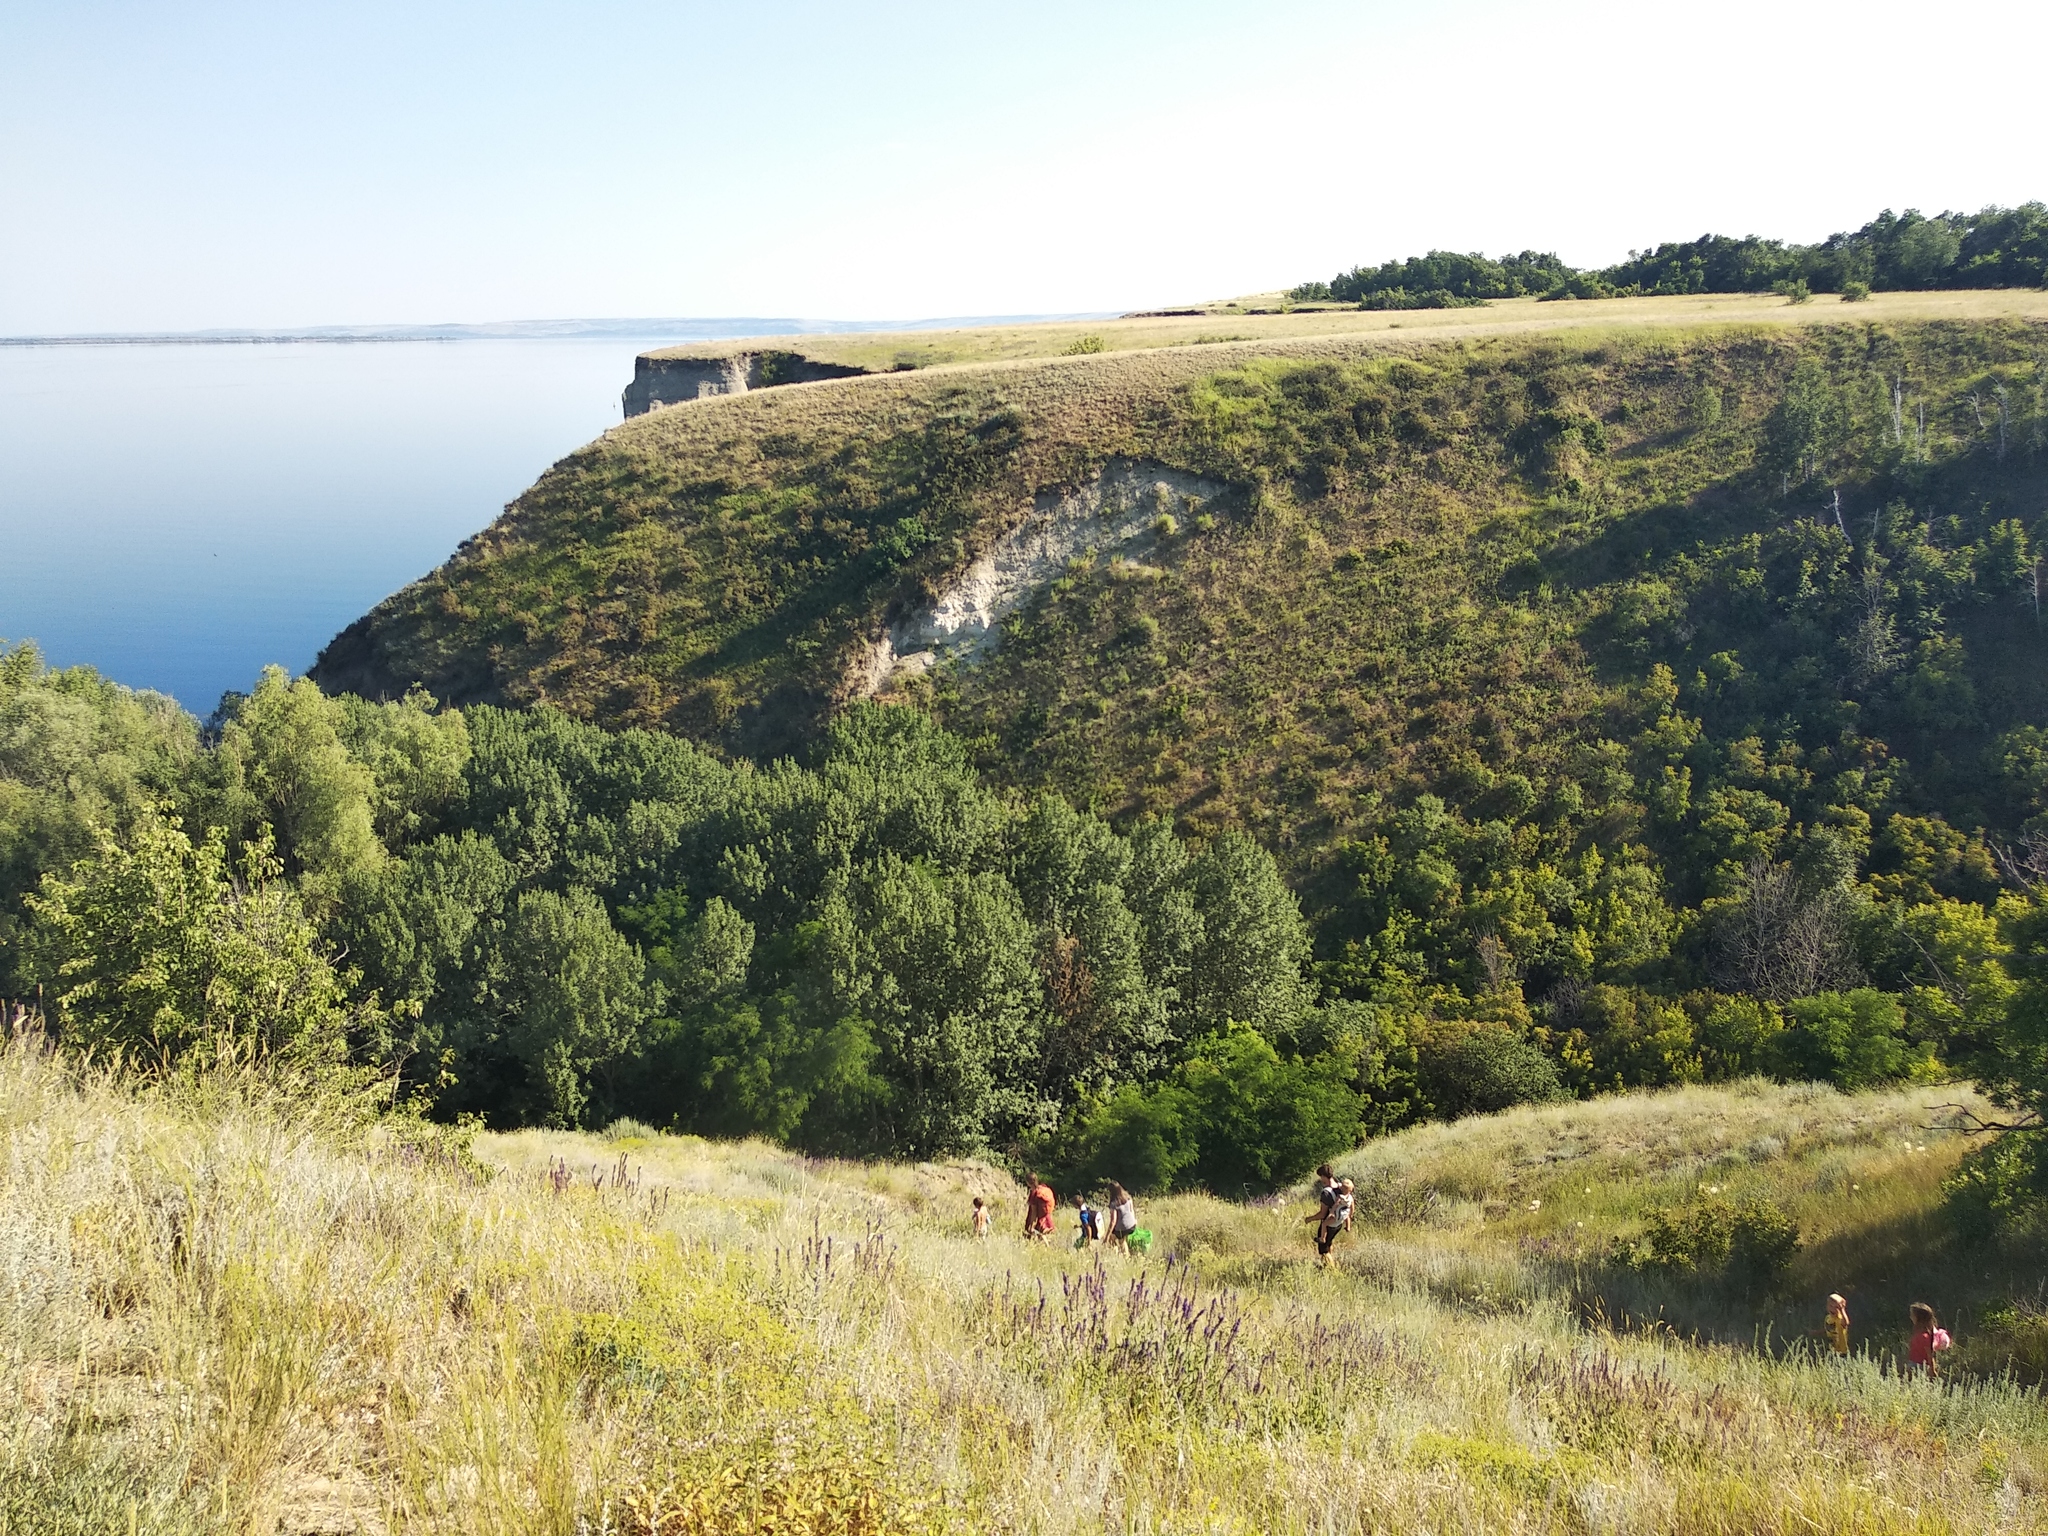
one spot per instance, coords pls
(179, 516)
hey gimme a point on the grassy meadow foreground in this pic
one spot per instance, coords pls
(225, 1311)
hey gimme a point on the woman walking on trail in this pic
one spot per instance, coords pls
(1123, 1215)
(1038, 1208)
(1325, 1214)
(1836, 1324)
(1928, 1338)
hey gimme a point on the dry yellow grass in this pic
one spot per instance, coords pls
(884, 350)
(217, 1315)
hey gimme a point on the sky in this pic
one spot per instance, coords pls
(171, 166)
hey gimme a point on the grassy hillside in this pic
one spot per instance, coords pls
(1440, 539)
(1444, 563)
(714, 565)
(226, 1311)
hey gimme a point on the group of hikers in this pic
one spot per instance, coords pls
(1041, 1204)
(1336, 1202)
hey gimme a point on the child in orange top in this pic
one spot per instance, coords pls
(1928, 1337)
(1836, 1324)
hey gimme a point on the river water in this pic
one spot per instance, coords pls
(180, 515)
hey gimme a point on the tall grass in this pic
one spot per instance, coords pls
(216, 1318)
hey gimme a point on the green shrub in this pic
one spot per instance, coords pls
(2010, 1337)
(2001, 1186)
(1690, 1238)
(1751, 1244)
(166, 951)
(1482, 1069)
(1236, 1116)
(1637, 1039)
(1855, 293)
(1736, 1035)
(1851, 1039)
(1137, 1137)
(1761, 1242)
(1796, 290)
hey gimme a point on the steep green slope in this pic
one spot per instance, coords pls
(714, 568)
(1473, 560)
(1434, 550)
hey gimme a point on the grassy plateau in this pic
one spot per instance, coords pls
(223, 1308)
(1271, 317)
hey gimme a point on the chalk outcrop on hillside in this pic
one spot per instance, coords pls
(1127, 508)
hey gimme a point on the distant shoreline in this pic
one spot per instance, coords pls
(674, 330)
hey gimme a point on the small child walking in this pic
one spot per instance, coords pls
(1928, 1338)
(981, 1217)
(1836, 1324)
(1090, 1220)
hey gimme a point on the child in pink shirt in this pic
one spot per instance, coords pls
(1928, 1338)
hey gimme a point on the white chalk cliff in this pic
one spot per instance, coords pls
(1120, 512)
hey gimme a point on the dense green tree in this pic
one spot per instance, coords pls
(78, 755)
(571, 1000)
(1993, 248)
(1447, 278)
(416, 754)
(944, 971)
(1855, 1039)
(1236, 1117)
(281, 764)
(159, 950)
(1246, 967)
(413, 923)
(1483, 1066)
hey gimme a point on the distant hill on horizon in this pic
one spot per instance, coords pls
(672, 329)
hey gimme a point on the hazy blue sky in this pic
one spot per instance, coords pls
(167, 165)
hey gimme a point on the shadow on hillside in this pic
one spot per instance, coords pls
(1881, 1269)
(1627, 544)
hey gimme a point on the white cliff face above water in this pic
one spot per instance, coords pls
(659, 381)
(1117, 513)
